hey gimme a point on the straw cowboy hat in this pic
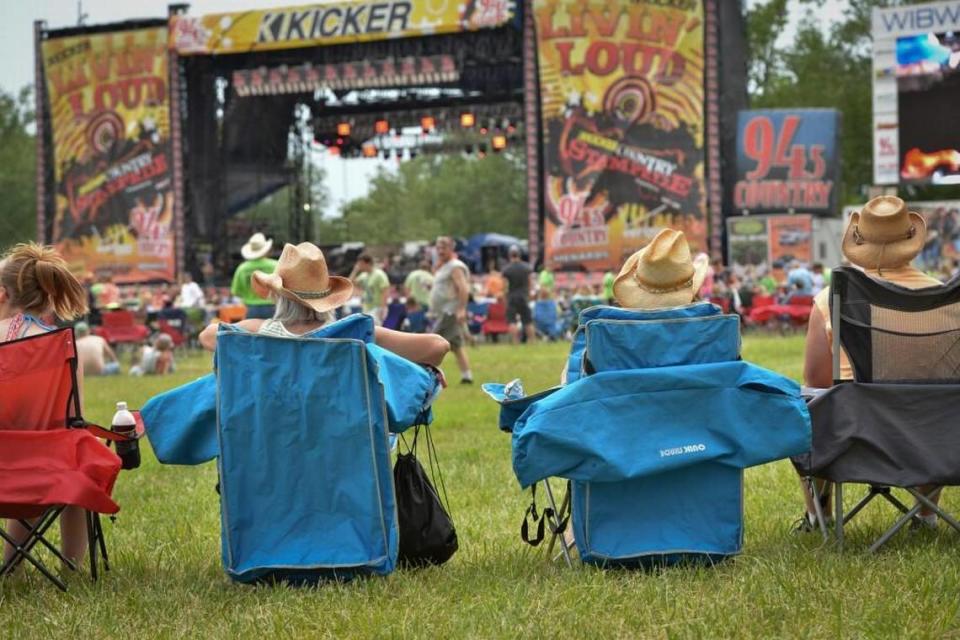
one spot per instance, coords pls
(302, 276)
(257, 247)
(661, 274)
(884, 234)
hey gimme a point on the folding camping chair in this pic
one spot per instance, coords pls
(674, 417)
(309, 423)
(49, 456)
(894, 424)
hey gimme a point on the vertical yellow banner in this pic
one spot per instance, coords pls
(110, 125)
(622, 97)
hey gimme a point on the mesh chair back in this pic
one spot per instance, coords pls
(38, 389)
(894, 334)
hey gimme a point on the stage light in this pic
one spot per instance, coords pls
(499, 143)
(381, 127)
(467, 120)
(369, 151)
(428, 124)
(343, 129)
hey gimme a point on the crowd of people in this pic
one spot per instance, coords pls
(296, 295)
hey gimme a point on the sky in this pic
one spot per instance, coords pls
(347, 179)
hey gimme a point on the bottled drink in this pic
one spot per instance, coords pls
(124, 423)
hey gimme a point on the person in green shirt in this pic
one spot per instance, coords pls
(418, 284)
(375, 284)
(608, 280)
(254, 259)
(545, 278)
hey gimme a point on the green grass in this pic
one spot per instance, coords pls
(167, 580)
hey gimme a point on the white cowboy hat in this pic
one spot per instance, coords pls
(302, 276)
(661, 274)
(884, 234)
(257, 247)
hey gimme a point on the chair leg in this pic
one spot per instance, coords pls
(555, 528)
(892, 531)
(22, 550)
(92, 544)
(926, 500)
(817, 507)
(102, 541)
(838, 520)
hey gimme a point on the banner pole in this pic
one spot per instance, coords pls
(39, 97)
(712, 117)
(176, 147)
(531, 104)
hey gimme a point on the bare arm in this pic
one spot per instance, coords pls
(208, 337)
(108, 353)
(463, 292)
(424, 348)
(817, 358)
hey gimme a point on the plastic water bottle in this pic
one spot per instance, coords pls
(125, 424)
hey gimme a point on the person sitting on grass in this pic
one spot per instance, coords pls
(157, 359)
(882, 240)
(34, 283)
(95, 355)
(306, 297)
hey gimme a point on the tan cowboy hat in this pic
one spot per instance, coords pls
(257, 247)
(661, 274)
(302, 276)
(884, 234)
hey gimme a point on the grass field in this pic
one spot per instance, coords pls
(167, 580)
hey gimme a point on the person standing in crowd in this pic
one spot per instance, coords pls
(35, 283)
(95, 355)
(375, 284)
(818, 278)
(255, 258)
(882, 240)
(799, 280)
(448, 303)
(519, 276)
(191, 295)
(494, 284)
(545, 279)
(418, 283)
(608, 280)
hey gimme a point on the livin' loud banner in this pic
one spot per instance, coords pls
(622, 99)
(108, 109)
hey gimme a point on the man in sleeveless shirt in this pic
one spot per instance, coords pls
(448, 303)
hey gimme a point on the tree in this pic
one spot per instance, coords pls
(820, 69)
(436, 195)
(18, 221)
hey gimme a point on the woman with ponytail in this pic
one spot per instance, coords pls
(35, 283)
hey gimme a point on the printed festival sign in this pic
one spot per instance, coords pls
(109, 115)
(787, 160)
(329, 23)
(622, 101)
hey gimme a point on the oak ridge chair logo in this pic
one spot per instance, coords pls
(684, 450)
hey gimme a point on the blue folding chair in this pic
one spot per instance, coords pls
(657, 421)
(302, 438)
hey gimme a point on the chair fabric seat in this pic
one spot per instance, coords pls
(40, 469)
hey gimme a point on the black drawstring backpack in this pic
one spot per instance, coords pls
(427, 534)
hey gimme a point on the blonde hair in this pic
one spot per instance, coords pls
(37, 280)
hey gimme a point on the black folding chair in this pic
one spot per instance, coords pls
(894, 425)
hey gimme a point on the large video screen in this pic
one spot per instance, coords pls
(928, 100)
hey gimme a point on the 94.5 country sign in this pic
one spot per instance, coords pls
(787, 160)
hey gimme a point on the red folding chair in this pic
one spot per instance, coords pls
(121, 326)
(49, 456)
(496, 322)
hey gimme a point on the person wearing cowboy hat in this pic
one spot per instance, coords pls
(882, 239)
(304, 295)
(254, 253)
(660, 275)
